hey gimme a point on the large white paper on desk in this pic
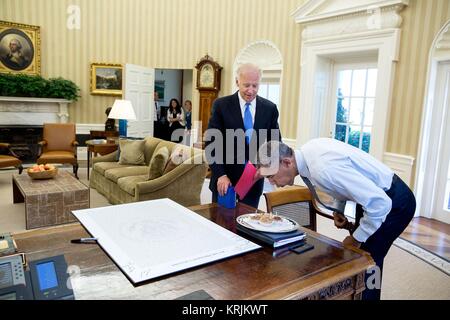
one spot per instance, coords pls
(149, 239)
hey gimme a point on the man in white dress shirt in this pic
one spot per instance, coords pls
(385, 204)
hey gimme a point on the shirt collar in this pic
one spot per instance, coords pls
(242, 103)
(301, 164)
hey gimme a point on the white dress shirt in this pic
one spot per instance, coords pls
(348, 173)
(242, 103)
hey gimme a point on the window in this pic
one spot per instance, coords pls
(270, 91)
(355, 100)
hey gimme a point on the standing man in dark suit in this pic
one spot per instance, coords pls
(245, 122)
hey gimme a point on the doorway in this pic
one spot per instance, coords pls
(172, 84)
(432, 174)
(441, 204)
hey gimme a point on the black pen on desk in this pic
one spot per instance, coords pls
(84, 240)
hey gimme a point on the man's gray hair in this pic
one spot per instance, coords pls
(246, 67)
(271, 153)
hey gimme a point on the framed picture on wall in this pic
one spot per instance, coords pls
(20, 50)
(106, 79)
(160, 86)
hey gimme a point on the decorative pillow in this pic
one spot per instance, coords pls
(118, 146)
(158, 163)
(177, 157)
(132, 152)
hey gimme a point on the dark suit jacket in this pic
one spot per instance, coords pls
(226, 114)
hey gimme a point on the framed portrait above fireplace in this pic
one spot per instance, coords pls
(106, 79)
(20, 50)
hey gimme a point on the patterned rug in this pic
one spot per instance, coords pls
(425, 255)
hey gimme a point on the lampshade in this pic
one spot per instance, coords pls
(122, 109)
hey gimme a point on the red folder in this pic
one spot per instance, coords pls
(246, 180)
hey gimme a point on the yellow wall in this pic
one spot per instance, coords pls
(422, 20)
(177, 33)
(160, 34)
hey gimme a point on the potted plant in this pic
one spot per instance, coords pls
(21, 85)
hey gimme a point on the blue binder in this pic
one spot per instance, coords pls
(228, 200)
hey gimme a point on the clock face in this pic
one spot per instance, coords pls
(207, 76)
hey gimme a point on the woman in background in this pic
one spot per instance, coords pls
(188, 121)
(175, 116)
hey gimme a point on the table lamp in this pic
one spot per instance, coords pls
(122, 110)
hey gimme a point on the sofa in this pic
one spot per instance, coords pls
(124, 183)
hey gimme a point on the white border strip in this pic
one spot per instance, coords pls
(424, 255)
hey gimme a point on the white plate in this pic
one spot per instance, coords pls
(285, 225)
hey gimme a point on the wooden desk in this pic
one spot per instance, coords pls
(100, 147)
(327, 272)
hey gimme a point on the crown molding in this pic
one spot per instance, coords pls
(372, 16)
(305, 13)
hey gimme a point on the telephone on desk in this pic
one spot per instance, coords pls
(46, 279)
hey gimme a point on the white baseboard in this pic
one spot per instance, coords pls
(401, 164)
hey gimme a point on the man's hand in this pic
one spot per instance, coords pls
(349, 241)
(340, 221)
(222, 185)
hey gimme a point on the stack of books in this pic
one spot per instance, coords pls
(274, 240)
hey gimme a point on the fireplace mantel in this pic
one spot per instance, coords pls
(33, 111)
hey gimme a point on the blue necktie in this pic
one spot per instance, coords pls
(248, 123)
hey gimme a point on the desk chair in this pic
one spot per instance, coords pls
(296, 203)
(59, 145)
(9, 160)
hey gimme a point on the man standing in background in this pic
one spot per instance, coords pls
(241, 112)
(188, 121)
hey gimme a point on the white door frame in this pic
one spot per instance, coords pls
(431, 130)
(443, 98)
(318, 53)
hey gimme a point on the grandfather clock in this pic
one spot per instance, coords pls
(208, 85)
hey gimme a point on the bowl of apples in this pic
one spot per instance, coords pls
(42, 171)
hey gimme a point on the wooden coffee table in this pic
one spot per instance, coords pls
(50, 202)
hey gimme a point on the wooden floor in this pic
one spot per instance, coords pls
(429, 234)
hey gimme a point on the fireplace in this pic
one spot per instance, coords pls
(22, 120)
(23, 140)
